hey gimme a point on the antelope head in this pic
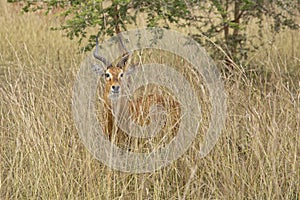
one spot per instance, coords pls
(113, 74)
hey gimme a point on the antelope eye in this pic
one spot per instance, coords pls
(106, 75)
(121, 75)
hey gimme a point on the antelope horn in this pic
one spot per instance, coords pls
(102, 59)
(126, 56)
(122, 44)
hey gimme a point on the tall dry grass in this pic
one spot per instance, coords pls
(42, 157)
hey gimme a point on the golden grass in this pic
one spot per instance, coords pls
(42, 157)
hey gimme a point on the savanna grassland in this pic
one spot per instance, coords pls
(42, 156)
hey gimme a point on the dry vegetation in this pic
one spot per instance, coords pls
(42, 157)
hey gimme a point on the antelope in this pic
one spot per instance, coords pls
(113, 75)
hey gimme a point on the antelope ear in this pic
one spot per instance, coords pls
(98, 70)
(126, 58)
(130, 69)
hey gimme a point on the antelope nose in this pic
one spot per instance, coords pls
(115, 88)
